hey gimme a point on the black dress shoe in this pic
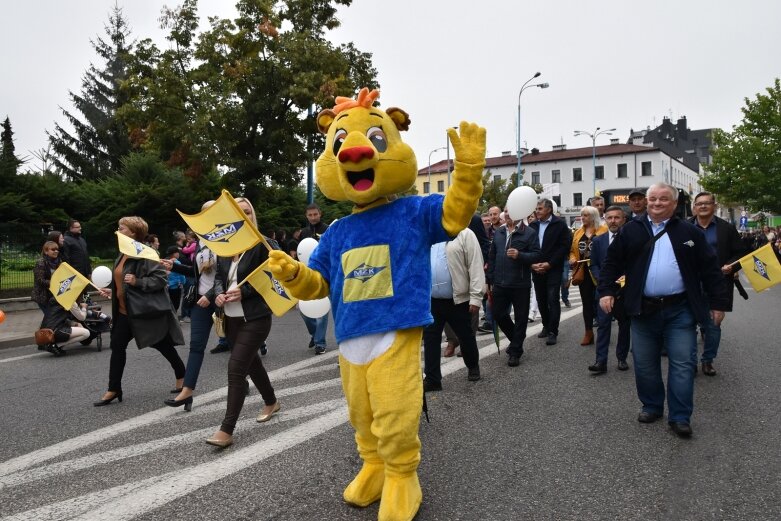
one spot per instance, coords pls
(474, 374)
(707, 369)
(551, 339)
(187, 402)
(598, 368)
(543, 333)
(648, 417)
(219, 348)
(429, 386)
(514, 361)
(101, 403)
(683, 430)
(622, 365)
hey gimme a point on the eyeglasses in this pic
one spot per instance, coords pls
(704, 204)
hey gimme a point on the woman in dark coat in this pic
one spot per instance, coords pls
(161, 332)
(247, 324)
(42, 274)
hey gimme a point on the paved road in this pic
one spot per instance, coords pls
(546, 440)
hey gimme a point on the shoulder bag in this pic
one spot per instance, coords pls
(579, 273)
(44, 336)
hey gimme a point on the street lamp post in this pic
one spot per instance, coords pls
(593, 136)
(518, 144)
(429, 166)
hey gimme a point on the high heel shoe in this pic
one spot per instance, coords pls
(266, 417)
(220, 443)
(187, 402)
(101, 403)
(176, 391)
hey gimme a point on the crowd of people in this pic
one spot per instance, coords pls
(513, 268)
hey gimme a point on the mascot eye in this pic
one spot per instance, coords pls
(339, 136)
(377, 137)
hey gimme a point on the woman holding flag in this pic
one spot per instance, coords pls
(137, 276)
(247, 324)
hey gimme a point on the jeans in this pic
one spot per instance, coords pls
(121, 335)
(712, 340)
(459, 318)
(564, 279)
(547, 289)
(515, 332)
(200, 328)
(317, 328)
(603, 337)
(673, 327)
(245, 337)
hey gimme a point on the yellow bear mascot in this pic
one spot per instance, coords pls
(374, 265)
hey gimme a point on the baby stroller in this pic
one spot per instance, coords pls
(96, 322)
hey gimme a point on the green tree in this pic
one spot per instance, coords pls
(746, 167)
(495, 191)
(99, 140)
(238, 96)
(9, 163)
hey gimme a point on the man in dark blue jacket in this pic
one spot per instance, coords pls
(514, 249)
(555, 239)
(664, 297)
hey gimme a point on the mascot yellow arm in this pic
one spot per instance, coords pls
(463, 196)
(301, 281)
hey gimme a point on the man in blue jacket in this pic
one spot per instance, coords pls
(668, 263)
(615, 219)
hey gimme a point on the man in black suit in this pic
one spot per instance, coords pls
(555, 239)
(725, 240)
(615, 219)
(637, 202)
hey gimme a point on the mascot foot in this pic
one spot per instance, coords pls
(366, 488)
(401, 498)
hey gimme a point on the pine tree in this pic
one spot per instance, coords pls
(9, 163)
(99, 141)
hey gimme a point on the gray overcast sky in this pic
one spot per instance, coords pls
(609, 63)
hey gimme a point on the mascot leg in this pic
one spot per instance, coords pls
(366, 488)
(384, 399)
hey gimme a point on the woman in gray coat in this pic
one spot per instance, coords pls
(161, 332)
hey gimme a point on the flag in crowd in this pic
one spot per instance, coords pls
(762, 268)
(67, 284)
(135, 249)
(223, 227)
(271, 290)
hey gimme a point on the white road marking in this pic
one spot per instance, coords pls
(23, 357)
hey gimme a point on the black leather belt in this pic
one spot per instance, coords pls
(664, 301)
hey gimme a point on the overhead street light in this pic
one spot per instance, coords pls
(429, 166)
(593, 136)
(518, 144)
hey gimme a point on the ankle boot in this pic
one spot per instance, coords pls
(588, 338)
(450, 350)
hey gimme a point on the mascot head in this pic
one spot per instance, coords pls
(364, 158)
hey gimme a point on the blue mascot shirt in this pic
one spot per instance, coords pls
(377, 265)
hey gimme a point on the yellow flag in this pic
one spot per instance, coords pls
(271, 290)
(67, 284)
(135, 249)
(762, 268)
(223, 227)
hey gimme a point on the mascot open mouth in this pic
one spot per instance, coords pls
(362, 180)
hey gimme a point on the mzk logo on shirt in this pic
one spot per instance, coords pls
(367, 273)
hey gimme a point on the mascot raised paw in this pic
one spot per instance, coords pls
(374, 265)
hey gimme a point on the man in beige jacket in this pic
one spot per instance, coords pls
(457, 286)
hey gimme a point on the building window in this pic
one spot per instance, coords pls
(621, 169)
(599, 172)
(577, 199)
(535, 178)
(577, 174)
(426, 188)
(440, 186)
(555, 176)
(645, 168)
(557, 200)
(497, 178)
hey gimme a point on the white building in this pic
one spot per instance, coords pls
(570, 173)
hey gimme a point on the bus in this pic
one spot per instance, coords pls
(620, 197)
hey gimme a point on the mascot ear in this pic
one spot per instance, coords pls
(324, 120)
(399, 117)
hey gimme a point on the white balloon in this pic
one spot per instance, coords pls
(305, 249)
(101, 276)
(314, 308)
(555, 206)
(522, 202)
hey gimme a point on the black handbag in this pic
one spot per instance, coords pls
(141, 304)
